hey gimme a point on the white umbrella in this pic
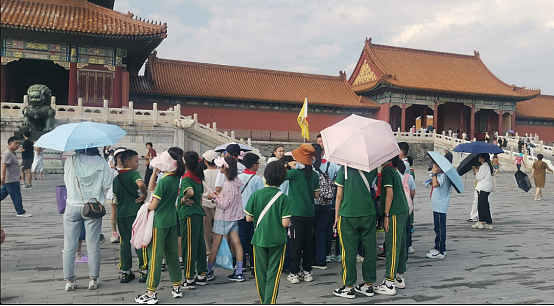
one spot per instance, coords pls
(360, 143)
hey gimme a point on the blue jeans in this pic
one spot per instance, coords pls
(322, 232)
(440, 231)
(72, 225)
(14, 190)
(246, 231)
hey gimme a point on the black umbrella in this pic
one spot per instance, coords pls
(522, 181)
(468, 162)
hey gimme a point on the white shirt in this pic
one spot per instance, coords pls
(484, 179)
(221, 177)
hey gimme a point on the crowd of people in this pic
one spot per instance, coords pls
(193, 207)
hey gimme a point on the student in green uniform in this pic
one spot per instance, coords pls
(270, 210)
(125, 186)
(303, 188)
(355, 220)
(191, 216)
(164, 233)
(395, 209)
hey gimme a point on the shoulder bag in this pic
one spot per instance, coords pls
(267, 207)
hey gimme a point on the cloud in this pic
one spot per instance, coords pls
(514, 40)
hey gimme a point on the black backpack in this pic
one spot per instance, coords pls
(327, 189)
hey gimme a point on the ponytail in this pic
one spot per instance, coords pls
(232, 170)
(177, 154)
(195, 164)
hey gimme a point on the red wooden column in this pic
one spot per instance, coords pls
(489, 124)
(424, 117)
(500, 113)
(461, 121)
(117, 87)
(72, 96)
(125, 89)
(403, 118)
(4, 84)
(514, 121)
(384, 112)
(472, 123)
(436, 116)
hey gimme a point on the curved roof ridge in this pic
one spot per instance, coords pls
(242, 68)
(439, 53)
(514, 87)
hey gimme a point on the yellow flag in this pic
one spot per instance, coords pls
(303, 120)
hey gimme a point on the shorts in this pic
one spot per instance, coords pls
(26, 163)
(496, 167)
(224, 227)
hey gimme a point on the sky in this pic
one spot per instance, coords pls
(514, 38)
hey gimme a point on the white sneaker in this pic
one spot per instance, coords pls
(25, 215)
(308, 276)
(146, 299)
(93, 284)
(177, 292)
(400, 283)
(293, 278)
(384, 289)
(70, 286)
(433, 251)
(435, 256)
(345, 293)
(487, 226)
(410, 250)
(328, 258)
(336, 258)
(477, 225)
(359, 258)
(364, 289)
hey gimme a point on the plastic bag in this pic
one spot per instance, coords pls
(224, 257)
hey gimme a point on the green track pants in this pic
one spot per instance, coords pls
(395, 246)
(268, 264)
(351, 230)
(193, 246)
(164, 242)
(125, 226)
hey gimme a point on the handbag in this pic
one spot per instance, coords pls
(92, 208)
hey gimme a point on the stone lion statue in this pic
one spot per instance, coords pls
(39, 115)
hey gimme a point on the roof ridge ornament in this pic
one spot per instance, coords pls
(342, 74)
(368, 41)
(476, 53)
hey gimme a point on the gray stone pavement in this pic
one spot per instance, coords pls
(511, 264)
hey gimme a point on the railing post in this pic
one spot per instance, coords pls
(233, 136)
(250, 142)
(80, 108)
(25, 101)
(541, 146)
(106, 111)
(214, 130)
(195, 117)
(154, 114)
(131, 115)
(177, 111)
(53, 102)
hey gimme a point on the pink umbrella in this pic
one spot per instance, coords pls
(360, 143)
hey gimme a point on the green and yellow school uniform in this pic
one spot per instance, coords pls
(396, 236)
(356, 221)
(125, 190)
(269, 240)
(191, 218)
(164, 233)
(301, 192)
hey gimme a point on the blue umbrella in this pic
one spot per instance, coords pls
(449, 170)
(84, 135)
(511, 131)
(478, 147)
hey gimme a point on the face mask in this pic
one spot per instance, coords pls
(300, 166)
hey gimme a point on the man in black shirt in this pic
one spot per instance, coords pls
(27, 155)
(448, 155)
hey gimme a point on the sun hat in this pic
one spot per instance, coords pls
(210, 155)
(220, 162)
(520, 154)
(164, 162)
(304, 154)
(120, 150)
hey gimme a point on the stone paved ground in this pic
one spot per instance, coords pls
(511, 264)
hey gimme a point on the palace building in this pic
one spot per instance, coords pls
(85, 49)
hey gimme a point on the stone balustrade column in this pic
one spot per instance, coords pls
(53, 102)
(25, 101)
(131, 115)
(195, 117)
(154, 114)
(214, 130)
(541, 146)
(106, 111)
(80, 108)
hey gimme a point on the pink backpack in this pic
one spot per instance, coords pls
(407, 191)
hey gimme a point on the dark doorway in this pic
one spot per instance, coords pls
(26, 72)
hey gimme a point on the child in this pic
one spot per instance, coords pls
(410, 228)
(270, 210)
(409, 186)
(303, 188)
(114, 237)
(164, 233)
(252, 183)
(228, 212)
(210, 175)
(355, 220)
(38, 163)
(191, 216)
(440, 200)
(125, 186)
(394, 206)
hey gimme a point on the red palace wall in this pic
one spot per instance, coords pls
(228, 118)
(546, 133)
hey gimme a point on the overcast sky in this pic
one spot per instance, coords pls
(515, 38)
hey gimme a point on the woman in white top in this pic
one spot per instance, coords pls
(484, 188)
